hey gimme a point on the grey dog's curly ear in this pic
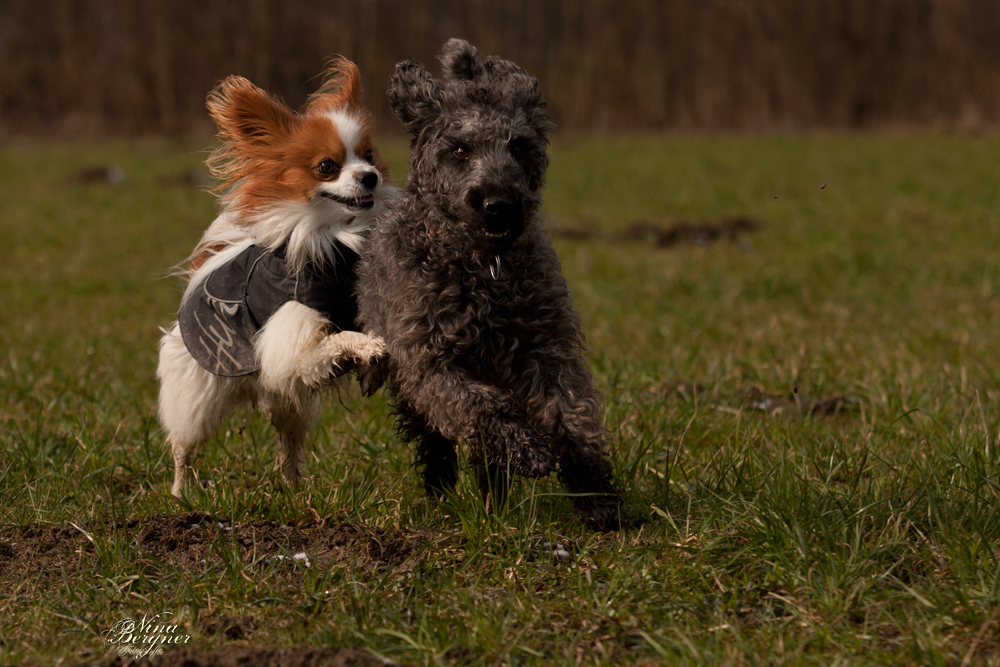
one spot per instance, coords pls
(414, 95)
(460, 60)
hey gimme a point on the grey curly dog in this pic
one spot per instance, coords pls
(462, 282)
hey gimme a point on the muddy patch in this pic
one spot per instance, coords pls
(193, 540)
(39, 546)
(823, 406)
(191, 178)
(754, 400)
(102, 174)
(694, 233)
(240, 656)
(249, 656)
(661, 235)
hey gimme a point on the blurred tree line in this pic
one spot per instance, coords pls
(132, 66)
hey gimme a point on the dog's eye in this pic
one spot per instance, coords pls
(517, 150)
(461, 153)
(328, 168)
(369, 157)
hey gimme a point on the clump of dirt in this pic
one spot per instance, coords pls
(249, 656)
(192, 539)
(664, 236)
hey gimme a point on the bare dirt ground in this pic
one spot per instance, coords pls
(661, 235)
(184, 540)
(248, 656)
(755, 400)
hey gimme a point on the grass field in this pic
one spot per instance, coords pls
(805, 424)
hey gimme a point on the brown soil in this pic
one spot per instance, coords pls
(754, 400)
(230, 627)
(695, 233)
(828, 406)
(703, 232)
(188, 540)
(248, 656)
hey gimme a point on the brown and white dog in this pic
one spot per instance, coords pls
(268, 315)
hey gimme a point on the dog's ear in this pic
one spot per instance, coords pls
(245, 113)
(341, 88)
(414, 95)
(460, 60)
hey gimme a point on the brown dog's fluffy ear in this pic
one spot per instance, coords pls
(245, 113)
(460, 60)
(414, 95)
(251, 124)
(341, 88)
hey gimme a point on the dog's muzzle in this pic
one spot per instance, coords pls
(503, 220)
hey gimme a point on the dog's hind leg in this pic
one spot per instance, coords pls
(440, 461)
(436, 454)
(183, 453)
(293, 422)
(192, 403)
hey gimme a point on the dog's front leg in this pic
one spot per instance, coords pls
(436, 454)
(297, 350)
(564, 403)
(459, 406)
(338, 353)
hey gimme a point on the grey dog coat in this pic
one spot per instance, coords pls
(221, 317)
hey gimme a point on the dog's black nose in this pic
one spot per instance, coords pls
(369, 179)
(499, 207)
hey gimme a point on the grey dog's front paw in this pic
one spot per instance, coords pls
(524, 448)
(534, 461)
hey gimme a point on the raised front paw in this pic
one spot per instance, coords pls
(359, 348)
(346, 351)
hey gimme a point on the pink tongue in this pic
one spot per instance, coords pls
(365, 200)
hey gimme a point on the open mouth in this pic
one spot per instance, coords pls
(495, 235)
(495, 230)
(360, 204)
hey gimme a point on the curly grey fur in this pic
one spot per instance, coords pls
(461, 281)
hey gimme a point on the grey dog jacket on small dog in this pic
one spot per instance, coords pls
(221, 317)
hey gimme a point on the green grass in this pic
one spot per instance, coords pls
(775, 536)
